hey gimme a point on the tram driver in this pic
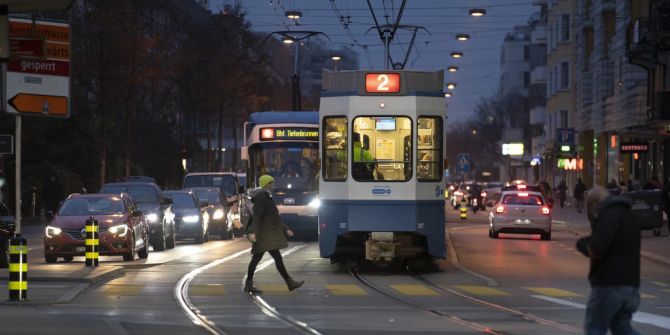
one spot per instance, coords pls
(363, 163)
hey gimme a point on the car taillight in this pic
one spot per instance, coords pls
(545, 210)
(523, 194)
(520, 187)
(483, 194)
(458, 193)
(500, 209)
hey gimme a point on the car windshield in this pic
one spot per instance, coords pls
(181, 199)
(139, 193)
(522, 199)
(225, 182)
(291, 164)
(211, 196)
(92, 206)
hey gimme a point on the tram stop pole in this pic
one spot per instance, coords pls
(92, 242)
(18, 269)
(464, 209)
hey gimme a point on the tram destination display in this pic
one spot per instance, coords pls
(289, 133)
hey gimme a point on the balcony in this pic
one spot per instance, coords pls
(640, 41)
(539, 35)
(538, 115)
(538, 75)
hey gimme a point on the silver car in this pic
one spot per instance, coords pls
(520, 212)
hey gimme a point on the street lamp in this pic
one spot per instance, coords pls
(477, 12)
(448, 94)
(451, 86)
(293, 14)
(287, 41)
(457, 54)
(336, 59)
(452, 68)
(462, 37)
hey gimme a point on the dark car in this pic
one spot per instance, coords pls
(7, 226)
(190, 215)
(156, 208)
(217, 210)
(122, 229)
(226, 181)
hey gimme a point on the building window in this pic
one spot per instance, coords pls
(526, 52)
(334, 148)
(564, 119)
(526, 79)
(565, 27)
(565, 75)
(609, 25)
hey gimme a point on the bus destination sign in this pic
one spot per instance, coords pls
(289, 133)
(382, 82)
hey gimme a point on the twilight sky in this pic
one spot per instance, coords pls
(479, 69)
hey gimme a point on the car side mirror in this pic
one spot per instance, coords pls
(137, 213)
(167, 201)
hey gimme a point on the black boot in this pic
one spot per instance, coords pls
(250, 288)
(292, 284)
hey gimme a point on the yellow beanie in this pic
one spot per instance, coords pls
(264, 180)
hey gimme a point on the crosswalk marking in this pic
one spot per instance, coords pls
(211, 289)
(553, 292)
(278, 289)
(482, 290)
(416, 290)
(659, 283)
(345, 289)
(647, 296)
(666, 290)
(125, 289)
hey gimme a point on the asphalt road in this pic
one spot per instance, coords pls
(513, 285)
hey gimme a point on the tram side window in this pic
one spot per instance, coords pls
(389, 154)
(335, 148)
(429, 149)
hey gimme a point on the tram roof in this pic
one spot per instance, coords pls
(269, 117)
(411, 83)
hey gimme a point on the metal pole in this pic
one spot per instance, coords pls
(386, 49)
(18, 176)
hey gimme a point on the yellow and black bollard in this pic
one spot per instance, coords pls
(18, 269)
(92, 242)
(464, 209)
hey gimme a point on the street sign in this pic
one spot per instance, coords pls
(463, 163)
(6, 144)
(27, 48)
(40, 86)
(565, 136)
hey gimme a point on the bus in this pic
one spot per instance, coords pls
(285, 145)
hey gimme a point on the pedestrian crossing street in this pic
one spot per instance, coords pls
(654, 290)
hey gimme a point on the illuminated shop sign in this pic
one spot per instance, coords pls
(512, 149)
(573, 164)
(633, 147)
(289, 133)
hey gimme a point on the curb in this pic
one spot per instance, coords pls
(91, 278)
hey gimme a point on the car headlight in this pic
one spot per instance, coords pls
(315, 203)
(51, 231)
(120, 230)
(152, 217)
(191, 218)
(218, 214)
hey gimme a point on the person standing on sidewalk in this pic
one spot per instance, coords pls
(562, 190)
(268, 233)
(580, 188)
(614, 274)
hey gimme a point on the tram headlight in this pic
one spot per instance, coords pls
(315, 203)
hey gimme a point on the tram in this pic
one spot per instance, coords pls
(383, 148)
(285, 145)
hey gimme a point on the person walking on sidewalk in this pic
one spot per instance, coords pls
(562, 190)
(614, 274)
(267, 232)
(580, 188)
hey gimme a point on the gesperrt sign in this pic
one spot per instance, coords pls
(625, 148)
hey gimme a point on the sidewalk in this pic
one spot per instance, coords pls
(656, 248)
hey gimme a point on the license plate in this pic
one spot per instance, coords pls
(81, 249)
(289, 201)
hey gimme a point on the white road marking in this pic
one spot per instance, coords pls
(641, 317)
(454, 260)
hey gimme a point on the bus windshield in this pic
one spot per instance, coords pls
(292, 164)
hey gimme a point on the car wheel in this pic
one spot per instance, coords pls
(50, 259)
(545, 236)
(200, 239)
(159, 241)
(172, 238)
(207, 236)
(130, 256)
(68, 258)
(144, 252)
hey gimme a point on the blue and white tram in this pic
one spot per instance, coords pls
(285, 145)
(382, 150)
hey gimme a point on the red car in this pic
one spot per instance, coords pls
(122, 228)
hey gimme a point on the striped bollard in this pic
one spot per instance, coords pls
(92, 242)
(18, 269)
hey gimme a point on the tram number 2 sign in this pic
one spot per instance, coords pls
(382, 82)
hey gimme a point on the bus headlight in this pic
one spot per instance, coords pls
(152, 217)
(315, 203)
(52, 231)
(218, 214)
(191, 219)
(120, 230)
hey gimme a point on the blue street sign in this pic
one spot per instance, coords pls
(463, 163)
(565, 136)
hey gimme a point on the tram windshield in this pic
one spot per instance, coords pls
(382, 148)
(292, 164)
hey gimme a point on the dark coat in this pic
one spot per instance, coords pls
(614, 245)
(266, 224)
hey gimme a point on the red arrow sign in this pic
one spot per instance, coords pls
(39, 104)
